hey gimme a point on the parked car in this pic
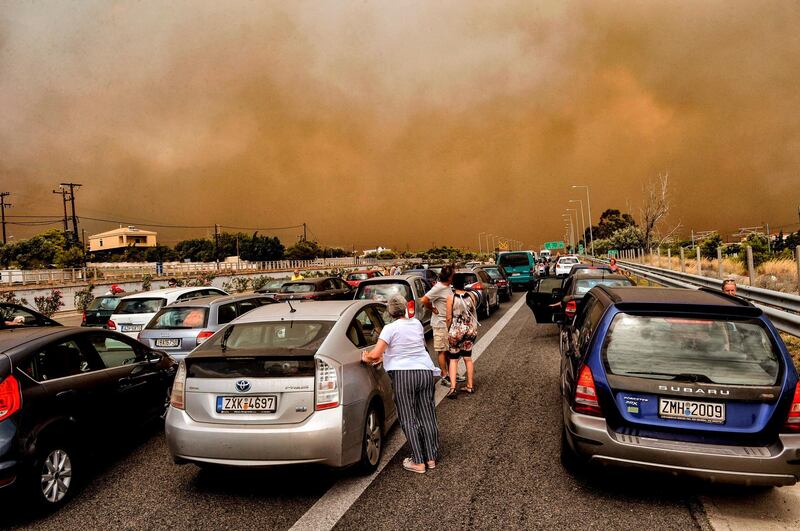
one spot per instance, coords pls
(576, 286)
(179, 328)
(285, 384)
(564, 265)
(16, 315)
(135, 311)
(500, 279)
(100, 310)
(479, 281)
(316, 289)
(355, 278)
(272, 287)
(65, 392)
(683, 382)
(411, 287)
(430, 276)
(471, 265)
(543, 297)
(519, 266)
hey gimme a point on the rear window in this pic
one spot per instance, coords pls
(271, 336)
(694, 350)
(494, 273)
(568, 260)
(381, 291)
(179, 318)
(514, 259)
(104, 303)
(129, 306)
(464, 279)
(251, 368)
(357, 276)
(585, 284)
(297, 288)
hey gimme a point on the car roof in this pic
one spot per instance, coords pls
(600, 275)
(219, 299)
(383, 279)
(641, 298)
(13, 337)
(464, 271)
(319, 310)
(165, 292)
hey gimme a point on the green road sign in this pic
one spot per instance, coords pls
(551, 246)
(581, 248)
(613, 252)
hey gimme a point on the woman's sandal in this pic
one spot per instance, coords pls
(452, 394)
(408, 464)
(468, 390)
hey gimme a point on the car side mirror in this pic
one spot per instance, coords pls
(154, 356)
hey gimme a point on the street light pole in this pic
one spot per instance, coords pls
(575, 225)
(480, 242)
(589, 208)
(583, 221)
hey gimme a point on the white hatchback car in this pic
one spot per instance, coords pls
(135, 311)
(564, 265)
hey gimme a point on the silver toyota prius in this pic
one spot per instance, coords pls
(284, 384)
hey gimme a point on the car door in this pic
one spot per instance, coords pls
(343, 290)
(491, 287)
(544, 293)
(139, 392)
(371, 321)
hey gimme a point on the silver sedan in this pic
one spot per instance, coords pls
(284, 384)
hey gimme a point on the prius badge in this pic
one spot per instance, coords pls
(242, 386)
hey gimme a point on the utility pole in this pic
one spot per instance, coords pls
(3, 206)
(72, 187)
(216, 244)
(63, 192)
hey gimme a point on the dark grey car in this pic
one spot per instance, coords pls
(178, 328)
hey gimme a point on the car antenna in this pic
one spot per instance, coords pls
(291, 308)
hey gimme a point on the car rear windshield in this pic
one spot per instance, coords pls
(464, 279)
(297, 288)
(179, 318)
(104, 303)
(270, 337)
(381, 291)
(583, 285)
(514, 259)
(716, 351)
(142, 305)
(357, 276)
(246, 367)
(274, 285)
(568, 260)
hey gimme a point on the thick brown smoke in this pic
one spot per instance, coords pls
(395, 123)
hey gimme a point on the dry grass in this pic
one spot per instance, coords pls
(793, 346)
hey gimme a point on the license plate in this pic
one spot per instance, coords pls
(168, 342)
(515, 274)
(247, 404)
(669, 408)
(131, 328)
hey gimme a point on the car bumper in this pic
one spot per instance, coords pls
(8, 473)
(521, 279)
(775, 465)
(318, 439)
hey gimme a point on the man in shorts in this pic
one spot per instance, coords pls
(436, 301)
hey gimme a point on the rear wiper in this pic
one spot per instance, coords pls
(225, 337)
(682, 377)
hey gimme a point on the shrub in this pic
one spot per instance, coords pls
(237, 285)
(84, 297)
(10, 297)
(49, 304)
(147, 282)
(259, 282)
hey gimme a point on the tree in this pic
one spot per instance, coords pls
(160, 253)
(196, 250)
(48, 249)
(611, 221)
(304, 250)
(708, 247)
(760, 247)
(630, 237)
(655, 206)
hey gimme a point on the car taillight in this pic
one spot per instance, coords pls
(176, 399)
(10, 397)
(310, 296)
(203, 335)
(477, 286)
(586, 394)
(111, 325)
(571, 309)
(327, 386)
(793, 420)
(83, 317)
(411, 307)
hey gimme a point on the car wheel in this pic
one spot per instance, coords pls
(51, 479)
(167, 400)
(497, 301)
(372, 444)
(487, 310)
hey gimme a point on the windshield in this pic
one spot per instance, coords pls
(381, 291)
(104, 303)
(357, 276)
(697, 350)
(179, 318)
(282, 335)
(297, 288)
(274, 285)
(514, 259)
(584, 285)
(129, 306)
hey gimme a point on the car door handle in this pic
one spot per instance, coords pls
(125, 382)
(65, 395)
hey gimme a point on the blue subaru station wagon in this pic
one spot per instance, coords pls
(688, 382)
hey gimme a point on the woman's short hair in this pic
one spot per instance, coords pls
(396, 306)
(446, 273)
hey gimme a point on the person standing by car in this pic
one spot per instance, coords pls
(401, 346)
(436, 301)
(462, 332)
(297, 276)
(612, 264)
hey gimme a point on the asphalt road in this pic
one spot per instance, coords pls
(499, 468)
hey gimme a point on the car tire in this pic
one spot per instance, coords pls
(487, 309)
(163, 414)
(372, 442)
(497, 301)
(572, 462)
(50, 480)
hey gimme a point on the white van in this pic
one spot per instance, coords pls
(135, 311)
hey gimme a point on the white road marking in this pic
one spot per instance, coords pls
(330, 508)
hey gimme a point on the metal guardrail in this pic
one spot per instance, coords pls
(782, 308)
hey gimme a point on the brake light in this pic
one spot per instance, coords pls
(477, 285)
(571, 308)
(10, 397)
(310, 296)
(177, 398)
(411, 307)
(327, 386)
(203, 335)
(111, 325)
(83, 317)
(586, 394)
(793, 420)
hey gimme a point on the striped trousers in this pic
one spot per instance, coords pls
(416, 409)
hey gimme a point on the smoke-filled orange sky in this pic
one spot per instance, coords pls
(400, 122)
